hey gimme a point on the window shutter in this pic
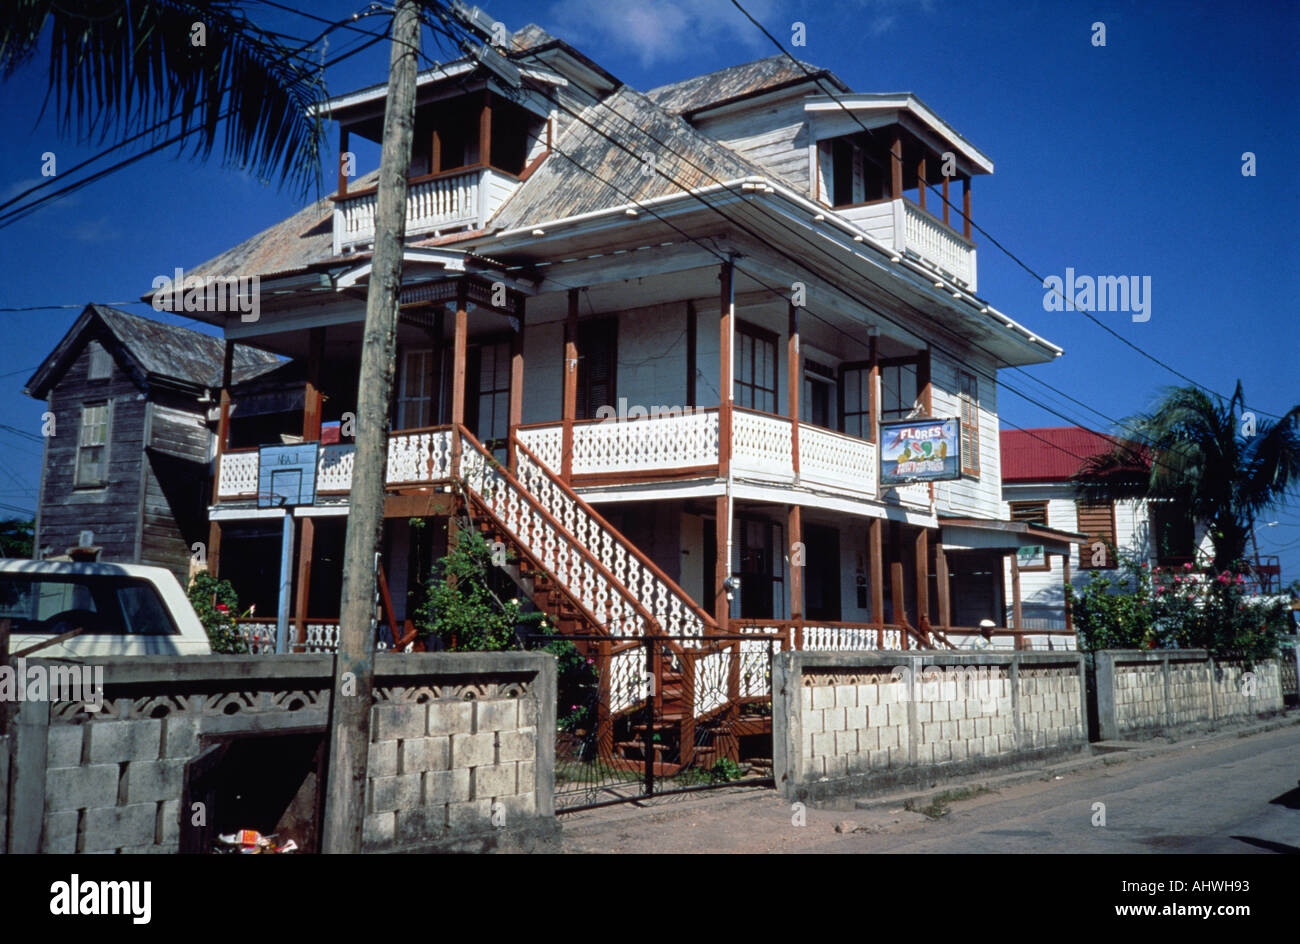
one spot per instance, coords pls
(1098, 523)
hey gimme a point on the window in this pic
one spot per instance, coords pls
(856, 383)
(597, 366)
(1030, 512)
(58, 603)
(1098, 523)
(817, 402)
(755, 368)
(1173, 535)
(415, 398)
(969, 396)
(897, 391)
(101, 362)
(488, 373)
(92, 445)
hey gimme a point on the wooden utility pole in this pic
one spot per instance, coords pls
(354, 665)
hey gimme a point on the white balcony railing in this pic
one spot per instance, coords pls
(433, 204)
(904, 227)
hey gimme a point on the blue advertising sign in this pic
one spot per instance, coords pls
(286, 475)
(919, 451)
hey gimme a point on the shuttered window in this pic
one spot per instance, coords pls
(969, 396)
(597, 365)
(1030, 512)
(1098, 523)
(92, 445)
(101, 362)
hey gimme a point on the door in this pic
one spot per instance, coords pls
(487, 394)
(821, 573)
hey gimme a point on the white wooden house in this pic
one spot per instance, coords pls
(679, 319)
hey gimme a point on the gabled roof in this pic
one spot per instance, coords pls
(151, 351)
(1051, 454)
(597, 165)
(736, 82)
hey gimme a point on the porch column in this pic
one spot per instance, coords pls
(1069, 617)
(794, 381)
(876, 552)
(570, 406)
(516, 387)
(343, 174)
(312, 399)
(459, 344)
(900, 600)
(794, 526)
(946, 205)
(726, 390)
(965, 208)
(920, 183)
(896, 166)
(435, 153)
(223, 438)
(1016, 615)
(941, 578)
(303, 595)
(485, 130)
(921, 545)
(214, 547)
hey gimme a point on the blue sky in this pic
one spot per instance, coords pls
(1117, 160)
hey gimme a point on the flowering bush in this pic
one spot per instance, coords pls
(1141, 608)
(215, 603)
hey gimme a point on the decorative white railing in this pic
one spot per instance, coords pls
(546, 443)
(850, 638)
(422, 456)
(237, 475)
(529, 516)
(937, 244)
(711, 681)
(334, 468)
(671, 608)
(836, 460)
(629, 683)
(761, 446)
(319, 636)
(439, 203)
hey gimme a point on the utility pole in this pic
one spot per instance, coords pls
(354, 665)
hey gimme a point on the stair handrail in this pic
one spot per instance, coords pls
(707, 622)
(651, 626)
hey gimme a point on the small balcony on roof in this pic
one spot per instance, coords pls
(877, 157)
(474, 142)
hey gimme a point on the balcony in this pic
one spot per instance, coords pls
(464, 198)
(609, 452)
(907, 229)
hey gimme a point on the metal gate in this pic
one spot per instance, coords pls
(640, 717)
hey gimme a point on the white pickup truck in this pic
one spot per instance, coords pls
(122, 610)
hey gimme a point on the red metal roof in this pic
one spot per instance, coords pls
(1050, 454)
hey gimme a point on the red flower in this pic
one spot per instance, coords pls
(222, 608)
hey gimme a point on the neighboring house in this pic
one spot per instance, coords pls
(1038, 468)
(678, 319)
(127, 443)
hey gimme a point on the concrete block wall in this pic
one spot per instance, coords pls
(848, 721)
(462, 753)
(1141, 691)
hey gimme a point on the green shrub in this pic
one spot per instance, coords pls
(216, 604)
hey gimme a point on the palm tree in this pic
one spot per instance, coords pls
(1217, 462)
(197, 70)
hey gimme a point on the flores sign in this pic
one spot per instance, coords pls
(919, 451)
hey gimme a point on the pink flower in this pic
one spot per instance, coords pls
(1240, 579)
(1223, 578)
(1178, 580)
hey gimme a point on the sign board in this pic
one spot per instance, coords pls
(919, 451)
(286, 475)
(1032, 555)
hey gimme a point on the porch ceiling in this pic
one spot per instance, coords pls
(980, 533)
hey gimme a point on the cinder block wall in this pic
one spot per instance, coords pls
(845, 721)
(1141, 690)
(461, 755)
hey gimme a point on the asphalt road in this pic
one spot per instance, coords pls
(1223, 795)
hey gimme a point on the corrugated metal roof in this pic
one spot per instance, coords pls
(1051, 454)
(748, 78)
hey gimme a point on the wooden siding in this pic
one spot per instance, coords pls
(774, 136)
(970, 497)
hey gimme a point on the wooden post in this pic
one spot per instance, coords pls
(941, 578)
(896, 166)
(458, 352)
(1069, 616)
(726, 392)
(965, 208)
(435, 153)
(920, 183)
(794, 526)
(946, 205)
(794, 381)
(223, 423)
(899, 598)
(922, 548)
(312, 400)
(875, 553)
(485, 130)
(873, 395)
(516, 386)
(303, 596)
(570, 405)
(214, 548)
(1016, 615)
(692, 324)
(352, 692)
(343, 174)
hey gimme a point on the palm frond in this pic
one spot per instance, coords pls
(121, 67)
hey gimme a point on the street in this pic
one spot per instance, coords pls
(1223, 795)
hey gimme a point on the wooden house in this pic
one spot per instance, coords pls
(127, 441)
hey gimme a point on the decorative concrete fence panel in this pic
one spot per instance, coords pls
(461, 756)
(1140, 691)
(863, 721)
